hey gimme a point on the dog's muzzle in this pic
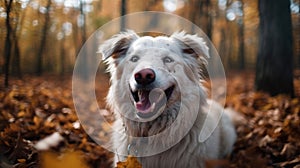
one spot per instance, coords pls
(149, 100)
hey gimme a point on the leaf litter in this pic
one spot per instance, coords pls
(31, 112)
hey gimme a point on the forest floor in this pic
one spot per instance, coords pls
(36, 108)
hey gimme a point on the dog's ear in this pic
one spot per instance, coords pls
(191, 45)
(118, 45)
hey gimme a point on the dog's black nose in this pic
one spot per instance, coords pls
(145, 76)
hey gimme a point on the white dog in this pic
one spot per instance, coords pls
(155, 86)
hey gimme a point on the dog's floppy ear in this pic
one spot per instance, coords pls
(118, 45)
(191, 44)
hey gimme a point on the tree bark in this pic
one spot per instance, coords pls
(274, 67)
(7, 49)
(39, 68)
(209, 18)
(16, 69)
(16, 59)
(83, 28)
(123, 12)
(84, 61)
(241, 38)
(62, 56)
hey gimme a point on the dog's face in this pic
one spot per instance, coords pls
(146, 71)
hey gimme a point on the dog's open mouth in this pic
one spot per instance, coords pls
(149, 102)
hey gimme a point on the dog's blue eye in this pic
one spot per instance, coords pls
(167, 60)
(134, 59)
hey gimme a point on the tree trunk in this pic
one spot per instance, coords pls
(241, 52)
(209, 18)
(83, 28)
(16, 59)
(75, 36)
(274, 68)
(16, 69)
(83, 61)
(7, 49)
(123, 12)
(62, 56)
(15, 48)
(223, 48)
(200, 14)
(39, 68)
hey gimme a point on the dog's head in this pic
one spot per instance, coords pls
(146, 71)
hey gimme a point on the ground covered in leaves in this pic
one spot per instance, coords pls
(38, 113)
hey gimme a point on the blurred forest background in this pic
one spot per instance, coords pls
(45, 36)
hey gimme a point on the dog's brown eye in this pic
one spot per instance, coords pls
(134, 59)
(167, 60)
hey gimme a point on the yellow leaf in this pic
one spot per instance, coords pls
(68, 159)
(130, 162)
(36, 121)
(267, 107)
(21, 160)
(21, 114)
(295, 101)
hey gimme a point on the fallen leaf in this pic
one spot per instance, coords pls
(65, 160)
(288, 150)
(130, 162)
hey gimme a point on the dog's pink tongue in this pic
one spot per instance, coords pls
(144, 104)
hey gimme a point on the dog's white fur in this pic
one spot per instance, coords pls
(188, 53)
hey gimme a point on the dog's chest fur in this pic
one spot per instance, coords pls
(189, 152)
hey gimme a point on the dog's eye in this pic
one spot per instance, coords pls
(134, 58)
(167, 60)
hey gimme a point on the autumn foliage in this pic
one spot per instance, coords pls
(32, 111)
(130, 162)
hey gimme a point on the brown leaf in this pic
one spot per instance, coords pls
(130, 162)
(288, 150)
(291, 163)
(263, 142)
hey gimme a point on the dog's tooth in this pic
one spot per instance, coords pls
(140, 95)
(161, 96)
(153, 106)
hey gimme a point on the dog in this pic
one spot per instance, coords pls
(155, 81)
